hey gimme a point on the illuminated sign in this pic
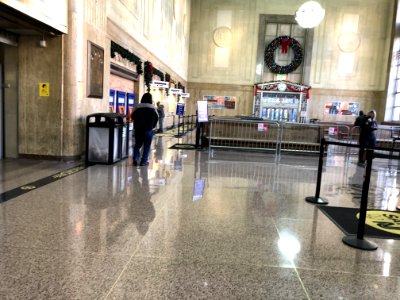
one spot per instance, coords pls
(175, 91)
(160, 84)
(185, 95)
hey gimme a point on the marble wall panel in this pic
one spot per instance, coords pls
(40, 121)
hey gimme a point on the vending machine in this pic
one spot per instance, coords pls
(111, 101)
(121, 103)
(282, 101)
(131, 104)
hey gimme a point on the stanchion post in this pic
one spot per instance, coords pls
(317, 199)
(179, 122)
(197, 133)
(183, 125)
(357, 241)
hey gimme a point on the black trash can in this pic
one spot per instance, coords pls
(104, 138)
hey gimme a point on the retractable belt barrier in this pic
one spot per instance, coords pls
(356, 241)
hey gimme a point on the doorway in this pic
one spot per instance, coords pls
(8, 101)
(1, 112)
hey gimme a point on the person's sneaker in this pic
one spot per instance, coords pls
(398, 207)
(135, 163)
(144, 164)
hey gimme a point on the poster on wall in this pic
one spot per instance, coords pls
(220, 102)
(342, 108)
(111, 101)
(121, 103)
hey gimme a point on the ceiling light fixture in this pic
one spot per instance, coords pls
(310, 14)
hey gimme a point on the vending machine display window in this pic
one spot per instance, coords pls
(121, 103)
(131, 104)
(111, 101)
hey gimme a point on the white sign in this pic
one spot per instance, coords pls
(185, 95)
(176, 91)
(160, 84)
(202, 111)
(262, 127)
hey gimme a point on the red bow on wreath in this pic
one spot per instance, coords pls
(285, 44)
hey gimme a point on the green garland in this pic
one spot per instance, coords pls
(127, 55)
(180, 86)
(158, 73)
(167, 79)
(148, 74)
(270, 50)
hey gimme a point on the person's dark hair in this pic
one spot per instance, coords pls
(147, 98)
(361, 113)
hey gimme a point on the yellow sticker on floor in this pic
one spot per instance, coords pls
(388, 221)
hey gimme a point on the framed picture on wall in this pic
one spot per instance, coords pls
(95, 71)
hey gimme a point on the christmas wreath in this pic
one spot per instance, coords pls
(285, 42)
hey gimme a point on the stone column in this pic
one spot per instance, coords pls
(72, 119)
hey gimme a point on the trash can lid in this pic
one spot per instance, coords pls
(105, 118)
(106, 115)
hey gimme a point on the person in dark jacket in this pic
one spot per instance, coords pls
(360, 120)
(368, 128)
(145, 119)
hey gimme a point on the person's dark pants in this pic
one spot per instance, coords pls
(161, 124)
(366, 142)
(142, 139)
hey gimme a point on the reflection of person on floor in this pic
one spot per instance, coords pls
(158, 154)
(142, 209)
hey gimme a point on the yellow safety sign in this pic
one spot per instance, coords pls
(44, 89)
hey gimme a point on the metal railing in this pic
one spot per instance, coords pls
(234, 133)
(259, 134)
(298, 137)
(185, 124)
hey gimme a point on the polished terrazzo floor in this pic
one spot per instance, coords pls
(124, 232)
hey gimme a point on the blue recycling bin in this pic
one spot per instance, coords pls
(104, 138)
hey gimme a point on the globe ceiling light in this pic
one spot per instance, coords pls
(310, 14)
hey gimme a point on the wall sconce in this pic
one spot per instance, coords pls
(310, 14)
(42, 42)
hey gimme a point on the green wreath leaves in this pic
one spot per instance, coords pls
(270, 50)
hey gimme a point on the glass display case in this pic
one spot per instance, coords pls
(281, 101)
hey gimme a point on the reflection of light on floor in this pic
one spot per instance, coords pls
(289, 245)
(387, 259)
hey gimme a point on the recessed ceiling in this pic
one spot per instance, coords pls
(18, 23)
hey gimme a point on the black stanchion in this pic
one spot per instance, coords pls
(183, 125)
(317, 199)
(357, 241)
(179, 126)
